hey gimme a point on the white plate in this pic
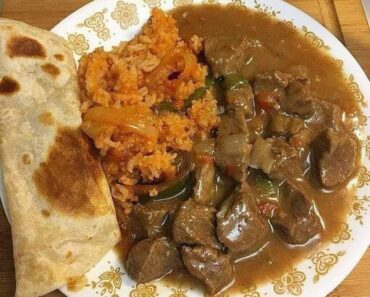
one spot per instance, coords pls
(106, 23)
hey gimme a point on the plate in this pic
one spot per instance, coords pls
(106, 23)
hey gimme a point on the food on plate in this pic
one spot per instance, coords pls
(227, 148)
(61, 212)
(143, 103)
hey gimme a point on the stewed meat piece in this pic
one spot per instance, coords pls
(291, 163)
(335, 156)
(232, 145)
(151, 259)
(299, 100)
(212, 186)
(204, 189)
(241, 97)
(226, 54)
(296, 221)
(303, 138)
(205, 171)
(193, 224)
(294, 97)
(328, 115)
(278, 159)
(239, 225)
(154, 217)
(274, 82)
(282, 124)
(210, 266)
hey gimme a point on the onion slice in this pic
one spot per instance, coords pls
(137, 119)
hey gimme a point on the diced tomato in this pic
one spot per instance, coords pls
(295, 141)
(205, 158)
(267, 209)
(267, 100)
(231, 169)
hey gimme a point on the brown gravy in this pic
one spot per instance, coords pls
(283, 48)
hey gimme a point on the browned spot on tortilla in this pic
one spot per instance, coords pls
(46, 118)
(8, 85)
(50, 69)
(70, 178)
(45, 213)
(23, 46)
(69, 257)
(26, 158)
(59, 57)
(76, 284)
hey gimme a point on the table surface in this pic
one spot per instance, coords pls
(345, 18)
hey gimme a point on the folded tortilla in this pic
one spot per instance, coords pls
(61, 213)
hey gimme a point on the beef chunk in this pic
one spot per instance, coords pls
(335, 155)
(289, 161)
(131, 231)
(243, 98)
(210, 266)
(211, 186)
(224, 185)
(273, 82)
(296, 221)
(154, 217)
(300, 101)
(151, 259)
(295, 98)
(232, 123)
(257, 126)
(226, 54)
(277, 159)
(193, 224)
(303, 138)
(285, 125)
(204, 189)
(239, 225)
(232, 145)
(328, 115)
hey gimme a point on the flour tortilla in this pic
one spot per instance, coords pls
(61, 213)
